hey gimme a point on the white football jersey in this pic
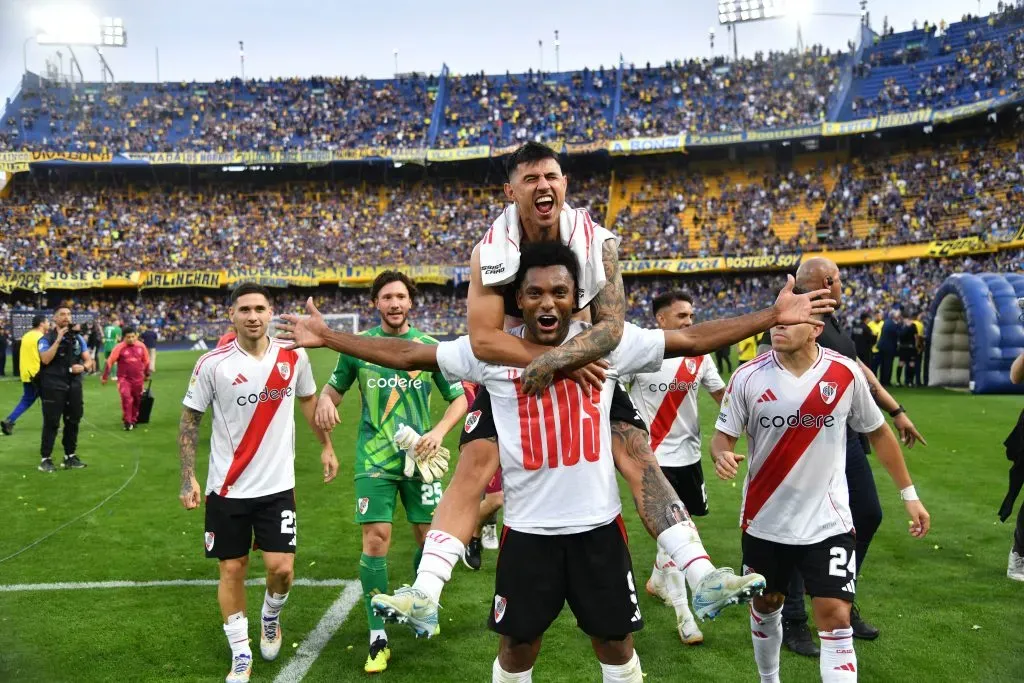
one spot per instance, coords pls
(667, 402)
(252, 447)
(795, 491)
(555, 449)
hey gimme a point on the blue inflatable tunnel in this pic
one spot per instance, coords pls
(976, 332)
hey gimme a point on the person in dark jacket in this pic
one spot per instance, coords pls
(64, 358)
(1015, 453)
(888, 346)
(863, 338)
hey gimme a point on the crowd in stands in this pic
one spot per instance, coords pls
(778, 90)
(313, 113)
(872, 288)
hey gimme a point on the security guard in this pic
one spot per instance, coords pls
(64, 357)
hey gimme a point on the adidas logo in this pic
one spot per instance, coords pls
(849, 666)
(767, 397)
(850, 587)
(239, 380)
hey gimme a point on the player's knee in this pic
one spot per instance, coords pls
(517, 655)
(234, 569)
(831, 614)
(376, 539)
(478, 461)
(769, 602)
(614, 650)
(280, 568)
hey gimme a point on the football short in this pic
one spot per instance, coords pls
(688, 482)
(494, 485)
(592, 571)
(829, 567)
(234, 525)
(376, 497)
(480, 419)
(906, 354)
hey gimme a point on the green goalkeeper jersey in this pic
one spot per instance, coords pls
(390, 398)
(111, 335)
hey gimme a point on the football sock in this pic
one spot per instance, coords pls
(623, 673)
(416, 559)
(376, 633)
(441, 552)
(766, 632)
(237, 633)
(373, 575)
(675, 588)
(499, 675)
(682, 543)
(272, 604)
(838, 661)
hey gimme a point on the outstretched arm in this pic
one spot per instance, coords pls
(789, 309)
(312, 332)
(884, 400)
(608, 311)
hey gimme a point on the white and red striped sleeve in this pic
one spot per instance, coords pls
(457, 362)
(200, 392)
(864, 414)
(709, 377)
(734, 411)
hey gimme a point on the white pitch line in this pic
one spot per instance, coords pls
(89, 585)
(317, 640)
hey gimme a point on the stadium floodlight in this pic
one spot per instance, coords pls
(77, 25)
(741, 11)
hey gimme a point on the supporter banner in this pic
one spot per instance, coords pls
(13, 167)
(849, 127)
(1019, 236)
(707, 139)
(850, 257)
(784, 133)
(905, 119)
(87, 280)
(287, 277)
(963, 111)
(964, 245)
(585, 147)
(78, 157)
(768, 262)
(459, 153)
(666, 143)
(12, 281)
(199, 278)
(362, 276)
(656, 266)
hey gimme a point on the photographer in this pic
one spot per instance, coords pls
(64, 358)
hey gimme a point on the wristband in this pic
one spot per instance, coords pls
(909, 493)
(899, 411)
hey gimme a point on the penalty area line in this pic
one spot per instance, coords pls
(92, 585)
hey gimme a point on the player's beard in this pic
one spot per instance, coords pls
(387, 320)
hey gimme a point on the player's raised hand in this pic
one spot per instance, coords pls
(303, 331)
(727, 464)
(330, 463)
(190, 493)
(793, 309)
(590, 375)
(920, 520)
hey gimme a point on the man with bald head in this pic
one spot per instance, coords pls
(821, 273)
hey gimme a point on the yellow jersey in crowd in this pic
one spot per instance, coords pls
(28, 357)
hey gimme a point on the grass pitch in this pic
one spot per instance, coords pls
(946, 610)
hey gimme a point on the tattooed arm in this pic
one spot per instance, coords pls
(655, 499)
(188, 436)
(608, 311)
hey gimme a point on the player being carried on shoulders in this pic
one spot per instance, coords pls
(561, 494)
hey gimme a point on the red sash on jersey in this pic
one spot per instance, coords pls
(794, 441)
(668, 411)
(261, 418)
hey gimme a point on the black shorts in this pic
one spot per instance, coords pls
(688, 482)
(234, 525)
(829, 567)
(592, 571)
(480, 419)
(907, 354)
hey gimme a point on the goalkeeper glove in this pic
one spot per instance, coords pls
(431, 466)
